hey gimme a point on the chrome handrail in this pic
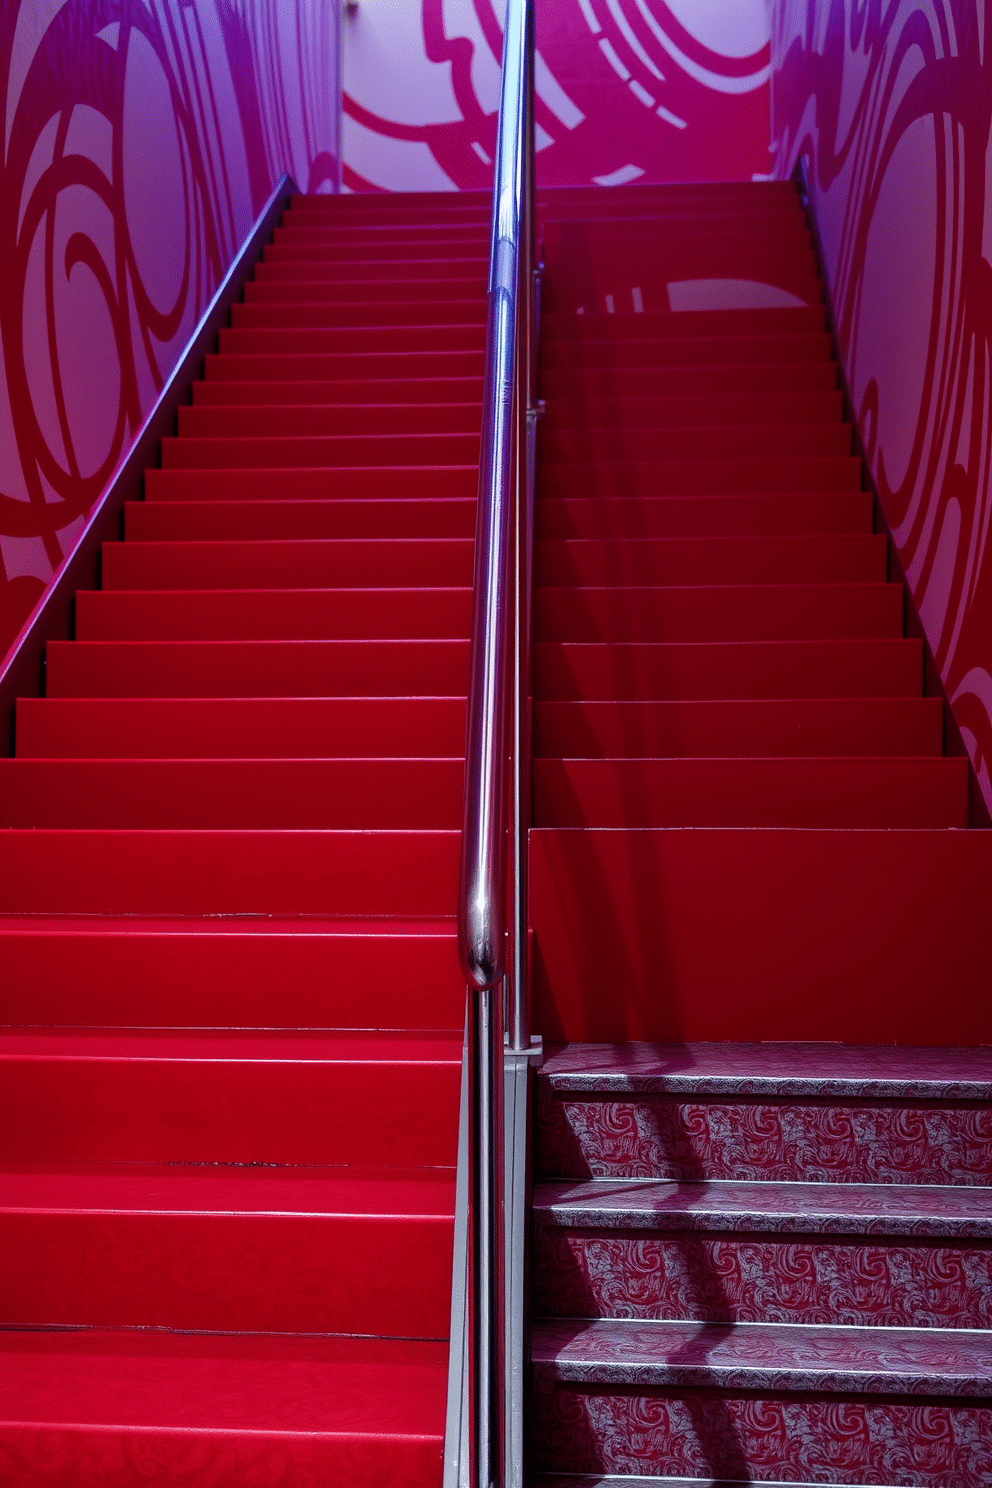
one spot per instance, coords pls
(495, 810)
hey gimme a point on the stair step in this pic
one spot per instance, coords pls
(635, 1480)
(704, 516)
(611, 390)
(253, 420)
(276, 452)
(754, 1402)
(183, 669)
(390, 874)
(194, 1096)
(387, 563)
(367, 484)
(303, 247)
(695, 793)
(891, 914)
(270, 287)
(757, 612)
(367, 314)
(274, 614)
(621, 561)
(841, 726)
(636, 446)
(396, 392)
(231, 973)
(365, 338)
(598, 362)
(658, 671)
(702, 477)
(471, 269)
(201, 521)
(568, 329)
(721, 408)
(344, 367)
(348, 1409)
(239, 793)
(308, 1250)
(255, 728)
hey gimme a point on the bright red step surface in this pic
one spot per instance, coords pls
(785, 514)
(100, 1406)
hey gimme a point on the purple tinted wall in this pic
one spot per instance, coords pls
(140, 139)
(891, 107)
(649, 90)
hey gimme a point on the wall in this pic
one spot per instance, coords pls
(651, 90)
(891, 106)
(140, 139)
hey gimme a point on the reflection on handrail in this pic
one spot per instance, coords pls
(492, 894)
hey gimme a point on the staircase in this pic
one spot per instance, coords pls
(229, 855)
(753, 1261)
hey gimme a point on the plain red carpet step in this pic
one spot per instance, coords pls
(736, 441)
(704, 516)
(253, 420)
(386, 563)
(728, 669)
(599, 360)
(817, 558)
(615, 390)
(472, 269)
(345, 367)
(232, 973)
(358, 483)
(284, 518)
(755, 934)
(182, 669)
(273, 614)
(702, 477)
(398, 392)
(232, 794)
(811, 726)
(278, 452)
(313, 290)
(252, 727)
(314, 316)
(194, 1096)
(231, 1249)
(301, 248)
(719, 408)
(706, 613)
(833, 792)
(288, 875)
(99, 1405)
(363, 339)
(659, 326)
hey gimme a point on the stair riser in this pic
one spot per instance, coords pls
(755, 613)
(749, 793)
(611, 393)
(197, 1111)
(700, 1434)
(402, 392)
(229, 1273)
(232, 794)
(252, 421)
(258, 669)
(284, 520)
(895, 726)
(304, 452)
(228, 979)
(274, 615)
(288, 289)
(828, 559)
(345, 368)
(570, 329)
(719, 409)
(366, 338)
(414, 275)
(227, 728)
(595, 361)
(751, 1278)
(704, 516)
(287, 874)
(712, 443)
(728, 670)
(791, 1141)
(408, 483)
(372, 313)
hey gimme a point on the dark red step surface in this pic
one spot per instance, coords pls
(229, 848)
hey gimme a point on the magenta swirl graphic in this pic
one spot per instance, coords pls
(139, 141)
(891, 108)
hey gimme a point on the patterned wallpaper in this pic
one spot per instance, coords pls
(627, 90)
(891, 107)
(140, 139)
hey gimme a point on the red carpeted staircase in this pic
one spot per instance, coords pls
(754, 1261)
(229, 866)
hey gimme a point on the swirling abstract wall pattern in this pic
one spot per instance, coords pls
(891, 108)
(140, 139)
(649, 90)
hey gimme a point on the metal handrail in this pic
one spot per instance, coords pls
(495, 817)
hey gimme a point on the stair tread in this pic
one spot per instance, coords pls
(790, 1356)
(771, 1069)
(239, 1046)
(792, 1208)
(343, 928)
(190, 1188)
(254, 1384)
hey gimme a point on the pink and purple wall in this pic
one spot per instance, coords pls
(142, 136)
(140, 139)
